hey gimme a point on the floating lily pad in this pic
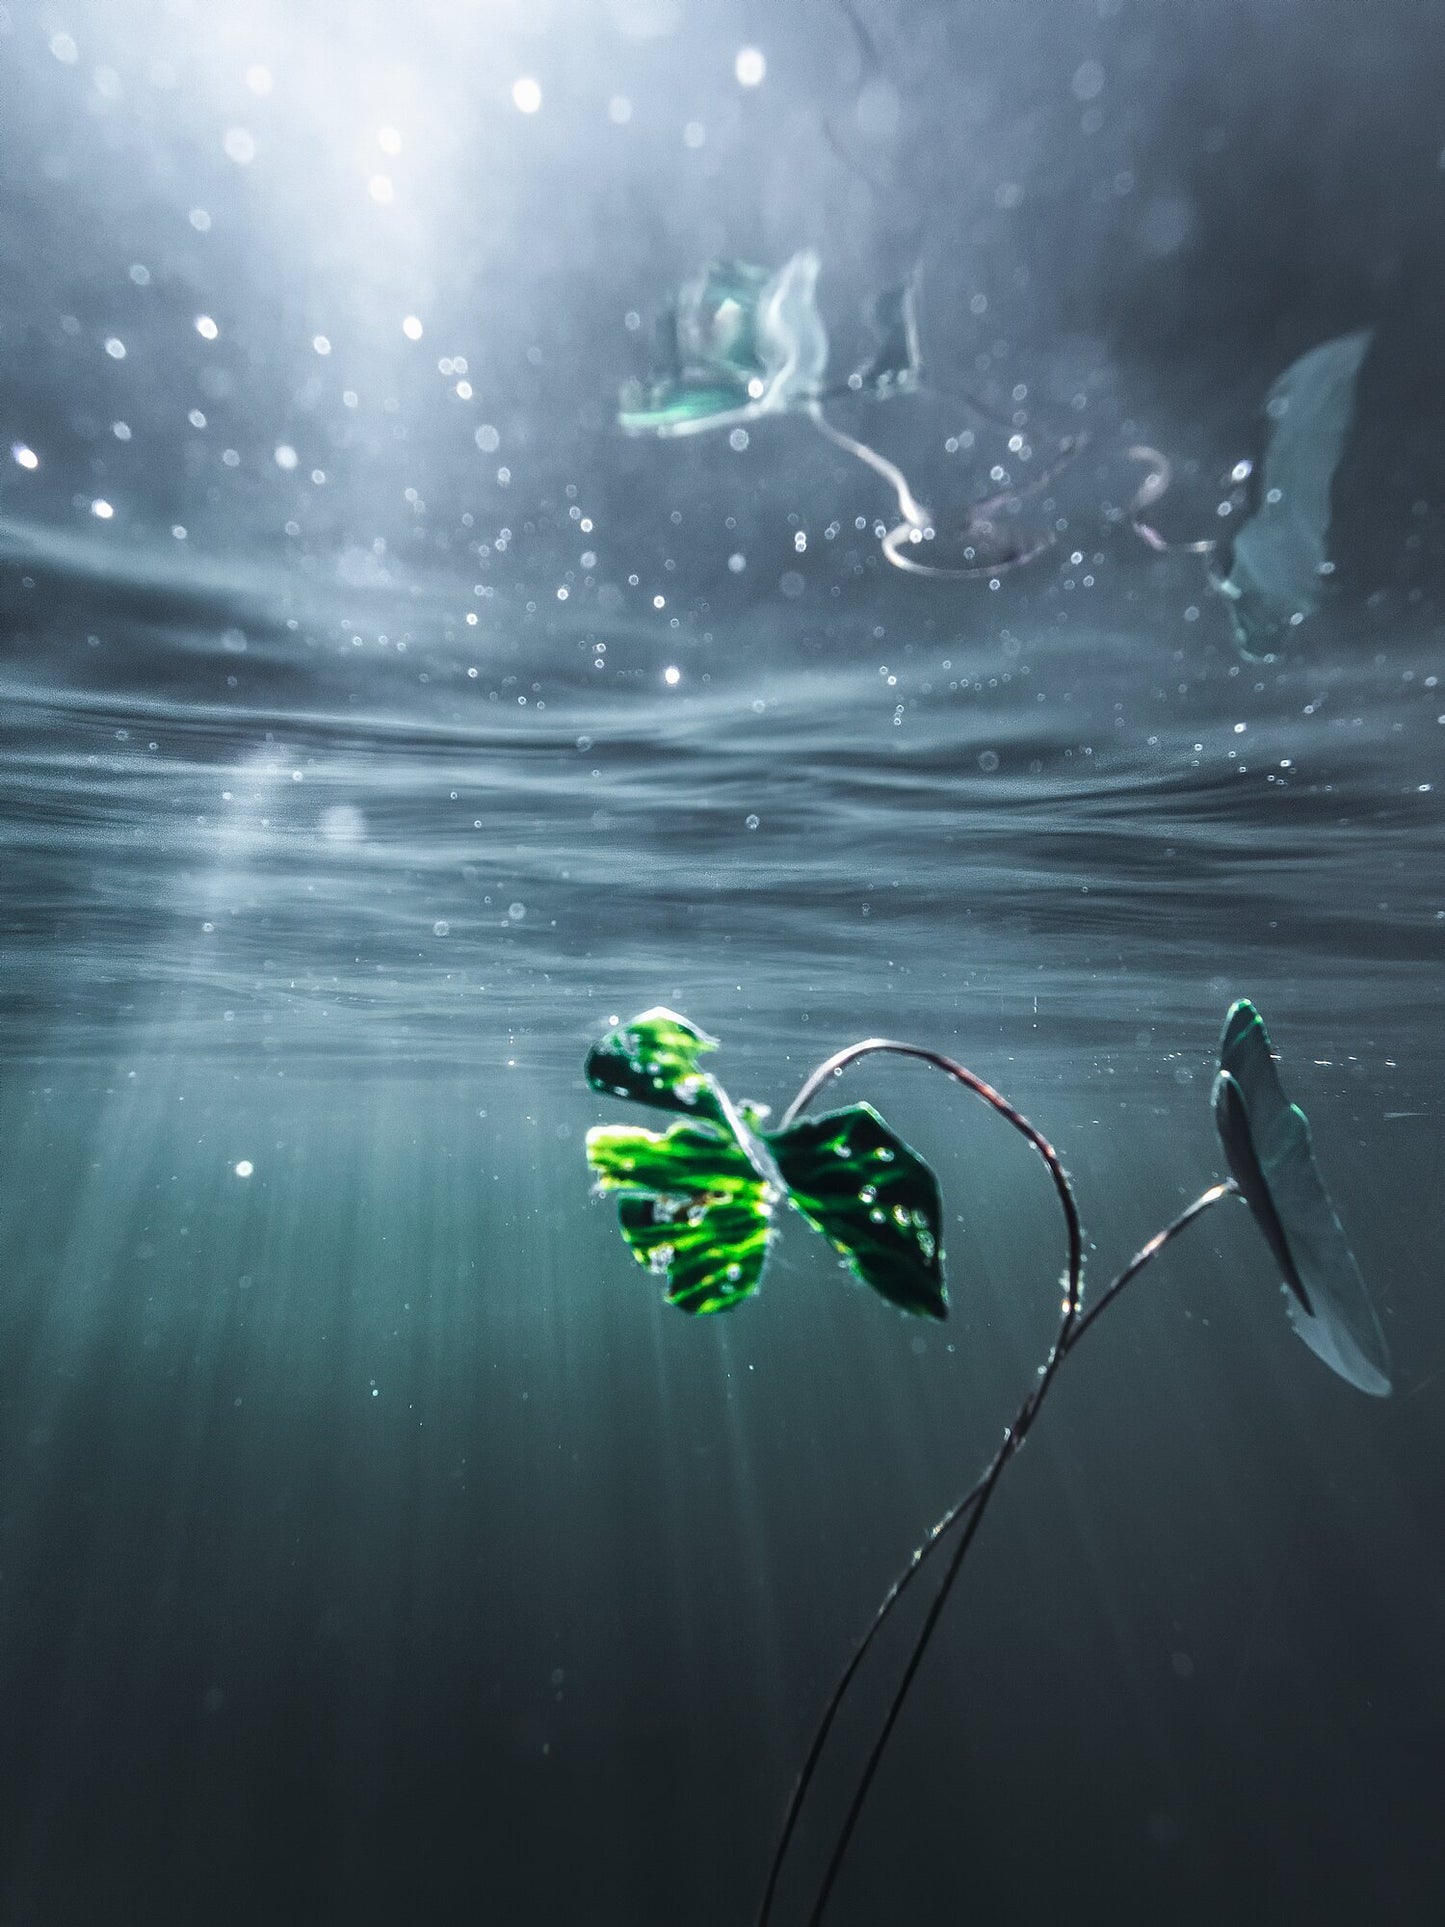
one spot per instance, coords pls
(1277, 569)
(1266, 1141)
(873, 1198)
(653, 1060)
(695, 1209)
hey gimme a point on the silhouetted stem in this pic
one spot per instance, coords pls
(840, 1692)
(1013, 1438)
(841, 1059)
(1074, 1321)
(1228, 1189)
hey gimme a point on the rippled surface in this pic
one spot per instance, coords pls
(355, 851)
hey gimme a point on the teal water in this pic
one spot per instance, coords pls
(374, 1543)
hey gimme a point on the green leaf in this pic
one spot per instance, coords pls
(697, 1200)
(873, 1198)
(653, 1059)
(711, 1255)
(1266, 1142)
(695, 1209)
(683, 1161)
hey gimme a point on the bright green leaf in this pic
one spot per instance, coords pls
(710, 1254)
(873, 1198)
(697, 1200)
(695, 1209)
(684, 1160)
(654, 1060)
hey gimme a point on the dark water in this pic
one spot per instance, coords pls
(374, 1544)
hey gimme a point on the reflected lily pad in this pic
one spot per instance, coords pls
(1266, 1141)
(873, 1198)
(1275, 573)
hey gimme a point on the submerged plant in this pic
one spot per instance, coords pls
(696, 1204)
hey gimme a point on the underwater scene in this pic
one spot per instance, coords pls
(718, 720)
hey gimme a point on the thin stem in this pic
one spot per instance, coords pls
(915, 518)
(1070, 1331)
(1228, 1189)
(841, 1059)
(1070, 1310)
(1156, 484)
(1073, 1322)
(909, 507)
(831, 1711)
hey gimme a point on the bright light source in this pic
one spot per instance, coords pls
(26, 457)
(285, 455)
(750, 67)
(672, 674)
(244, 1168)
(102, 509)
(206, 328)
(411, 327)
(526, 95)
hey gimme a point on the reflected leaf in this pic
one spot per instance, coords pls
(694, 1209)
(654, 1059)
(1278, 566)
(1266, 1141)
(896, 365)
(873, 1198)
(740, 341)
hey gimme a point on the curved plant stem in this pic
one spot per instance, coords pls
(975, 1499)
(1154, 485)
(831, 1711)
(971, 1081)
(1073, 1322)
(915, 516)
(1227, 1189)
(916, 522)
